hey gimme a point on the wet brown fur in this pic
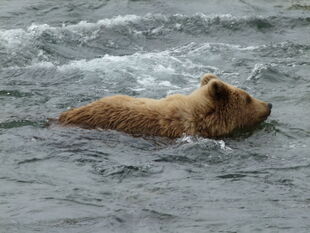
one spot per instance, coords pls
(215, 109)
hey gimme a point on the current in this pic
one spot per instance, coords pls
(55, 55)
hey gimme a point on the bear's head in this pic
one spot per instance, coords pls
(228, 108)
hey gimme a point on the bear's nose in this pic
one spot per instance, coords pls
(270, 106)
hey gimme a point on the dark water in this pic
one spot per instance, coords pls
(59, 54)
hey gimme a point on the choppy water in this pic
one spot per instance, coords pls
(60, 54)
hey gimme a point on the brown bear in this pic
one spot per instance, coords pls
(213, 110)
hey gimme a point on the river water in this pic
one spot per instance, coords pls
(60, 54)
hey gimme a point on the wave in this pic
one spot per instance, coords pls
(168, 60)
(170, 70)
(155, 24)
(121, 172)
(123, 35)
(192, 140)
(139, 72)
(196, 150)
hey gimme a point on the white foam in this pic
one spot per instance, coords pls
(159, 62)
(167, 62)
(88, 30)
(197, 140)
(164, 69)
(44, 64)
(165, 83)
(12, 38)
(259, 68)
(115, 21)
(222, 145)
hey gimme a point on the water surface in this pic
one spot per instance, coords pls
(58, 54)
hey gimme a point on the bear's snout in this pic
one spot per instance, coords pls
(268, 112)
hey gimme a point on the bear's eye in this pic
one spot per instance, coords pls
(248, 99)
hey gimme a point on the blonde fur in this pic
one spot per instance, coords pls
(194, 114)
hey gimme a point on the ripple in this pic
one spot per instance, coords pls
(299, 7)
(121, 172)
(195, 150)
(18, 123)
(14, 93)
(76, 201)
(232, 176)
(33, 160)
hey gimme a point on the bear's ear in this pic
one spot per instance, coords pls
(218, 90)
(206, 78)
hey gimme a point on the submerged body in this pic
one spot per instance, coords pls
(215, 109)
